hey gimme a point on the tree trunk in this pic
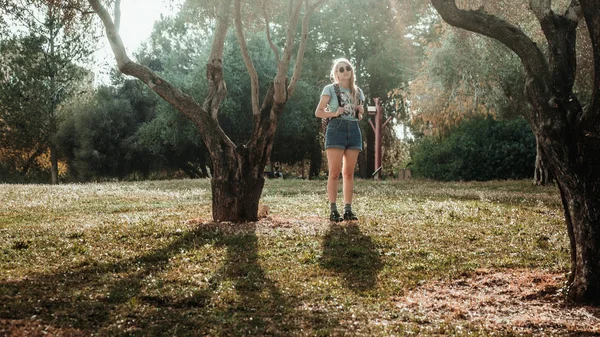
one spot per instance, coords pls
(369, 154)
(362, 165)
(237, 169)
(205, 172)
(541, 174)
(190, 171)
(582, 214)
(568, 137)
(54, 164)
(238, 175)
(31, 160)
(236, 190)
(572, 150)
(316, 159)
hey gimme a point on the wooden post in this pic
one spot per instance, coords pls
(377, 127)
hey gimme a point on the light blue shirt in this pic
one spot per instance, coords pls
(345, 95)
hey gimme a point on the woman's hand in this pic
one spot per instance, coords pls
(361, 110)
(339, 112)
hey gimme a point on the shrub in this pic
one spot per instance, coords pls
(481, 148)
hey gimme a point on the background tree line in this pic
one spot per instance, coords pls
(402, 51)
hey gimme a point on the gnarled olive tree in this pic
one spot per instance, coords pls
(568, 134)
(238, 180)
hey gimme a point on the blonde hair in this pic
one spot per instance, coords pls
(334, 79)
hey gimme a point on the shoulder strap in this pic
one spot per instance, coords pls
(360, 94)
(359, 101)
(336, 87)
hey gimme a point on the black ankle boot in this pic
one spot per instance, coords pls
(335, 216)
(349, 216)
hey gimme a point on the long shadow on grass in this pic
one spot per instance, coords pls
(350, 253)
(123, 298)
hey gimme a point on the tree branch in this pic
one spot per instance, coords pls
(574, 12)
(79, 9)
(116, 44)
(283, 67)
(211, 132)
(214, 70)
(540, 8)
(117, 15)
(247, 60)
(316, 5)
(273, 47)
(301, 49)
(533, 59)
(591, 12)
(561, 34)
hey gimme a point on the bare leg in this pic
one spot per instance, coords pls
(350, 159)
(334, 163)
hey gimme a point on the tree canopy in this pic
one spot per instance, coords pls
(42, 70)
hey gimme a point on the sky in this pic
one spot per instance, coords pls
(137, 20)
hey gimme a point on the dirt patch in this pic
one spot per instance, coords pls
(303, 225)
(519, 301)
(32, 328)
(267, 226)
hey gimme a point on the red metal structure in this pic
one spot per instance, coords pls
(377, 111)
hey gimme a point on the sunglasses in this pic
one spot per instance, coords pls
(348, 68)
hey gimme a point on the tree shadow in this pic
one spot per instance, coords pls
(347, 251)
(112, 298)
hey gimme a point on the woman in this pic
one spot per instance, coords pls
(343, 140)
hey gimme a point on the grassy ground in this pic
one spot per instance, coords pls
(145, 259)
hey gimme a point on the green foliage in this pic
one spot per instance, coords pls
(23, 110)
(297, 135)
(464, 75)
(477, 149)
(97, 137)
(127, 130)
(365, 32)
(39, 73)
(235, 115)
(169, 132)
(495, 76)
(173, 142)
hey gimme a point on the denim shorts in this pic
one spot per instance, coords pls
(343, 134)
